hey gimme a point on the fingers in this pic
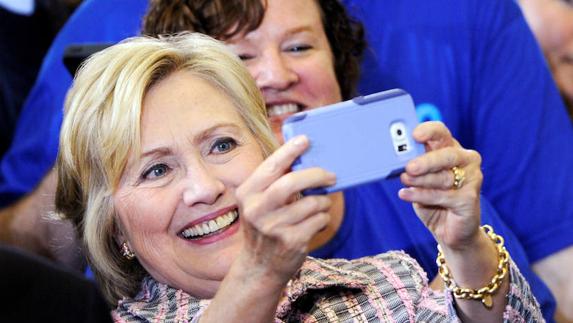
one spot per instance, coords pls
(449, 199)
(434, 135)
(430, 178)
(298, 211)
(280, 193)
(443, 180)
(442, 159)
(271, 186)
(286, 232)
(276, 164)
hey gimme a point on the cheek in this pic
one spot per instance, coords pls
(142, 212)
(320, 81)
(243, 165)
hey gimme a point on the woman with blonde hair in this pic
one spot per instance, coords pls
(169, 171)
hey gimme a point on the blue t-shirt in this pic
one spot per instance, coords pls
(475, 65)
(35, 144)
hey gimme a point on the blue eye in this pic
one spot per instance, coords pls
(155, 171)
(223, 145)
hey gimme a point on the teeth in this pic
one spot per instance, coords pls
(280, 109)
(211, 226)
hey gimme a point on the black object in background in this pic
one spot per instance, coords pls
(35, 290)
(75, 54)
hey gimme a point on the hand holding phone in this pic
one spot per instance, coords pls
(361, 140)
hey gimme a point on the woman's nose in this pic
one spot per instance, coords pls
(273, 71)
(202, 186)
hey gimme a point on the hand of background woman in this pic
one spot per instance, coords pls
(451, 213)
(276, 225)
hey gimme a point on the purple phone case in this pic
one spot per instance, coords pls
(353, 140)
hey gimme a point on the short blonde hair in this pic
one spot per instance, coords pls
(102, 126)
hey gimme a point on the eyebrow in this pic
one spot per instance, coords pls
(300, 29)
(249, 38)
(206, 133)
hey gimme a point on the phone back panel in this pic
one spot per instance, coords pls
(361, 140)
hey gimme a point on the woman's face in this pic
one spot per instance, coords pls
(176, 204)
(290, 58)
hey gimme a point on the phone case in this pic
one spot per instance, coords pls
(361, 140)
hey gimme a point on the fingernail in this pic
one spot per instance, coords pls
(299, 140)
(413, 166)
(404, 193)
(331, 177)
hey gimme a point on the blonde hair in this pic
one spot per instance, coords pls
(102, 126)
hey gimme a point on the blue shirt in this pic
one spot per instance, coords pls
(35, 144)
(475, 65)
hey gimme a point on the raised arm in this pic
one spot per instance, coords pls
(277, 228)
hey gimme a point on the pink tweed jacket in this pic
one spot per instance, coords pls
(390, 287)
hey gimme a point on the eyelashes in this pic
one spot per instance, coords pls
(217, 149)
(155, 171)
(295, 49)
(223, 145)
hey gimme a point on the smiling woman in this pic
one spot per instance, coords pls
(131, 166)
(169, 171)
(195, 151)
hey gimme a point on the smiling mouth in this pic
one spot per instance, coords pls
(283, 109)
(211, 227)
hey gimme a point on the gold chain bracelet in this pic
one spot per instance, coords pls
(482, 294)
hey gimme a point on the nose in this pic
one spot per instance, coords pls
(202, 186)
(273, 71)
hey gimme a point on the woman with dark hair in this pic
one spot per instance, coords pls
(304, 54)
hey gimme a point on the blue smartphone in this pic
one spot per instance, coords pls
(362, 140)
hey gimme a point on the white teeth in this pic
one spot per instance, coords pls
(211, 226)
(280, 109)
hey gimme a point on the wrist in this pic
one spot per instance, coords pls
(477, 274)
(251, 271)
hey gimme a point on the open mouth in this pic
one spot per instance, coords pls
(211, 227)
(279, 110)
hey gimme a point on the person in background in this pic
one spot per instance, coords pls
(27, 28)
(168, 169)
(285, 51)
(27, 182)
(477, 67)
(552, 25)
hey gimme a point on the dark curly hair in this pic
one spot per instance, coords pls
(223, 19)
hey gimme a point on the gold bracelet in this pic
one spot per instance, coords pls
(482, 294)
